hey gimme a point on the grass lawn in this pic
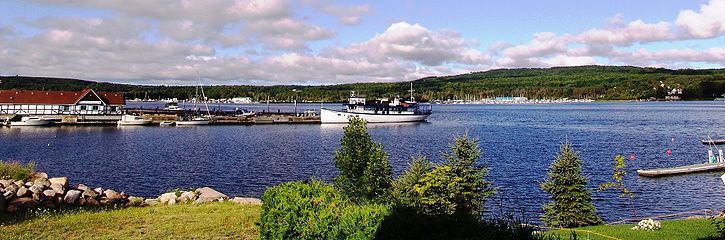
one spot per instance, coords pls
(674, 229)
(206, 221)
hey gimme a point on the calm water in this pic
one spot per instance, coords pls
(518, 142)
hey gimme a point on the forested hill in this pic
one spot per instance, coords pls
(595, 82)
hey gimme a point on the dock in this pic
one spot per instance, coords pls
(713, 141)
(661, 172)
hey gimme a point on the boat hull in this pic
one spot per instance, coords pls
(333, 116)
(135, 122)
(199, 122)
(30, 123)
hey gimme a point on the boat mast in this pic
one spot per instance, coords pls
(411, 92)
(206, 104)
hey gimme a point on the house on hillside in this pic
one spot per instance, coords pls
(86, 102)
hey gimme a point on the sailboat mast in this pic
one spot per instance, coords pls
(206, 104)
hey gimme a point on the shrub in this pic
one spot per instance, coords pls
(315, 210)
(365, 173)
(571, 204)
(16, 170)
(404, 187)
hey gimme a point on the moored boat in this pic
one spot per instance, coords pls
(194, 121)
(128, 120)
(30, 121)
(379, 111)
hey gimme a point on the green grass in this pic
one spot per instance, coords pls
(206, 221)
(16, 170)
(673, 229)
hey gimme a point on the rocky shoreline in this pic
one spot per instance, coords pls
(45, 192)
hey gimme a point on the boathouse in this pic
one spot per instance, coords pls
(86, 102)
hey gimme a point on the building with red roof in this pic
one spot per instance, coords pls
(86, 102)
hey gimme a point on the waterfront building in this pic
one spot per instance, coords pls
(86, 102)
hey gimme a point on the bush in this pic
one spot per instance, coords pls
(365, 173)
(571, 204)
(16, 170)
(404, 187)
(316, 210)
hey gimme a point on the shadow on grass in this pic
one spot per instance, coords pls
(40, 212)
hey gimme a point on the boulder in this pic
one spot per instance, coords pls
(27, 184)
(207, 194)
(187, 197)
(166, 197)
(112, 195)
(92, 202)
(36, 196)
(71, 196)
(90, 193)
(135, 202)
(42, 182)
(58, 188)
(250, 201)
(12, 188)
(22, 191)
(21, 203)
(8, 195)
(40, 175)
(98, 190)
(35, 189)
(172, 201)
(19, 183)
(63, 181)
(5, 183)
(83, 188)
(48, 194)
(151, 202)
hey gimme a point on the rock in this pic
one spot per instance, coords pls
(8, 195)
(42, 182)
(12, 188)
(71, 196)
(36, 189)
(172, 201)
(36, 196)
(187, 197)
(151, 202)
(58, 188)
(22, 191)
(5, 183)
(19, 183)
(40, 175)
(90, 193)
(135, 202)
(48, 194)
(2, 204)
(207, 194)
(112, 195)
(81, 201)
(63, 181)
(250, 201)
(98, 190)
(92, 202)
(167, 197)
(27, 184)
(83, 188)
(21, 203)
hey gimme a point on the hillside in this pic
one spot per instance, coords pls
(595, 82)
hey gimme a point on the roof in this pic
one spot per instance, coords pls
(58, 97)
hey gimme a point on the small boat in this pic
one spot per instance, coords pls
(173, 106)
(30, 121)
(379, 111)
(167, 123)
(127, 120)
(194, 121)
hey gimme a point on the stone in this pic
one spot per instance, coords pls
(42, 182)
(92, 202)
(35, 189)
(21, 203)
(98, 190)
(58, 188)
(187, 197)
(8, 195)
(63, 181)
(151, 202)
(244, 201)
(83, 188)
(112, 195)
(12, 188)
(135, 202)
(22, 191)
(36, 196)
(81, 201)
(19, 183)
(207, 194)
(27, 184)
(5, 183)
(40, 175)
(90, 193)
(172, 201)
(71, 196)
(166, 197)
(2, 204)
(48, 194)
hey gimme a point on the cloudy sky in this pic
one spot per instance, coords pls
(270, 42)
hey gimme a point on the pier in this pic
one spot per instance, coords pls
(695, 168)
(713, 141)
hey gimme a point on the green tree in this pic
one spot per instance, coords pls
(457, 187)
(571, 203)
(620, 170)
(403, 187)
(365, 173)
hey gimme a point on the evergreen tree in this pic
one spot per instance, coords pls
(571, 203)
(365, 173)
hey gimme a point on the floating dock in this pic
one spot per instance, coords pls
(661, 172)
(713, 141)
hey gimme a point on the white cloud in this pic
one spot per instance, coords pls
(347, 15)
(708, 23)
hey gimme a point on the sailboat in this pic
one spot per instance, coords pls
(197, 120)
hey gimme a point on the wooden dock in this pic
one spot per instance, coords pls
(713, 141)
(661, 172)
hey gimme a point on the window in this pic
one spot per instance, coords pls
(83, 108)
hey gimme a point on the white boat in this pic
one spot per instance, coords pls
(194, 121)
(127, 120)
(30, 121)
(167, 123)
(173, 106)
(379, 111)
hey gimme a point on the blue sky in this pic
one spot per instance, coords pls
(268, 42)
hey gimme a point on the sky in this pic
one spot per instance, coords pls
(322, 42)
